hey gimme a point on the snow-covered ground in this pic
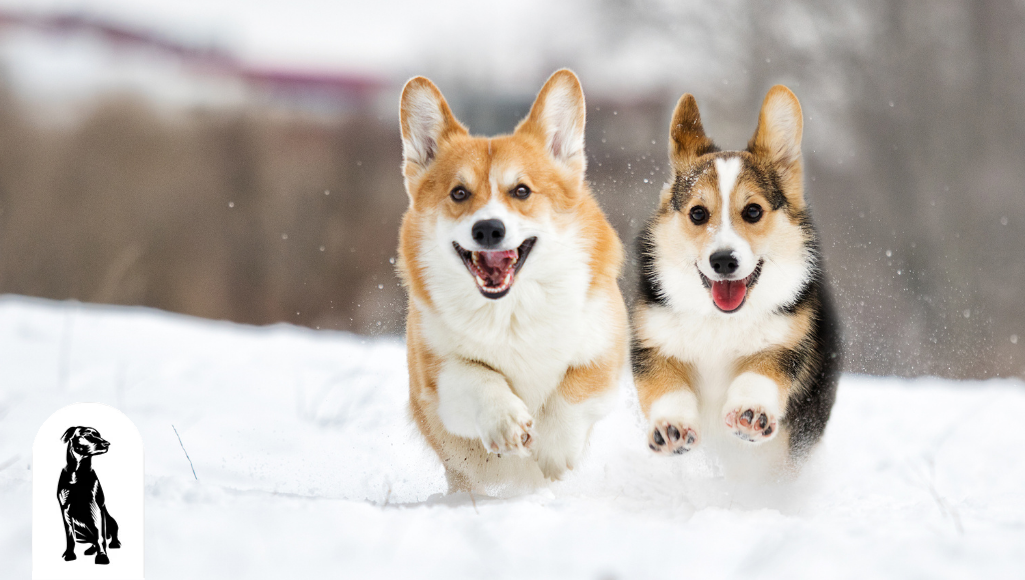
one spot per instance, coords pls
(308, 468)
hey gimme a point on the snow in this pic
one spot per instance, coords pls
(308, 467)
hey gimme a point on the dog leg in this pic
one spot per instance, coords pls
(69, 532)
(585, 395)
(475, 401)
(673, 423)
(564, 429)
(665, 391)
(753, 407)
(457, 482)
(114, 543)
(99, 522)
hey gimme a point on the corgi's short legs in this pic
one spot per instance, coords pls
(673, 425)
(475, 401)
(753, 408)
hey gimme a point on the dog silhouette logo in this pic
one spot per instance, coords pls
(86, 519)
(87, 496)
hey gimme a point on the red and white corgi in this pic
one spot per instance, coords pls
(736, 343)
(516, 330)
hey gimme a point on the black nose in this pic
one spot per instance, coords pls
(488, 233)
(724, 262)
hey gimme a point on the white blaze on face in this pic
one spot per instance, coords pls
(727, 238)
(500, 180)
(503, 179)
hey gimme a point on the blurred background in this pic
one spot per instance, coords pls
(241, 160)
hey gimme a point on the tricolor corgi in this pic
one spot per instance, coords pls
(736, 344)
(516, 329)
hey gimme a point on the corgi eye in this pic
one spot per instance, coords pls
(698, 215)
(521, 191)
(752, 213)
(459, 194)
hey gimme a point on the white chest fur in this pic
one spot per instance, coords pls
(547, 323)
(712, 344)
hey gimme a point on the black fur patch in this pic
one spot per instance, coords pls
(651, 290)
(683, 184)
(640, 357)
(815, 367)
(768, 181)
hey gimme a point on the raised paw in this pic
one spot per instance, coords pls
(69, 555)
(754, 424)
(114, 544)
(509, 432)
(91, 550)
(674, 437)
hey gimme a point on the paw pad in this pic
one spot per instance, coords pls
(754, 425)
(672, 437)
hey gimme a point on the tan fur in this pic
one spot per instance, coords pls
(687, 139)
(583, 382)
(560, 194)
(665, 375)
(770, 362)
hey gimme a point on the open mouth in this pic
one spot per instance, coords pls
(729, 295)
(495, 271)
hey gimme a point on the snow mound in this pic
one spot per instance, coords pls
(308, 467)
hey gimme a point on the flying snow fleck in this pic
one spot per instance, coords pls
(1014, 339)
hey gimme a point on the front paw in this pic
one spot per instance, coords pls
(508, 430)
(672, 436)
(752, 423)
(554, 468)
(753, 407)
(69, 555)
(102, 559)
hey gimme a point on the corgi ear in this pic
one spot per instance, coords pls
(557, 118)
(777, 140)
(69, 434)
(426, 121)
(687, 140)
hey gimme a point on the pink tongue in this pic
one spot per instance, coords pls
(729, 295)
(495, 264)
